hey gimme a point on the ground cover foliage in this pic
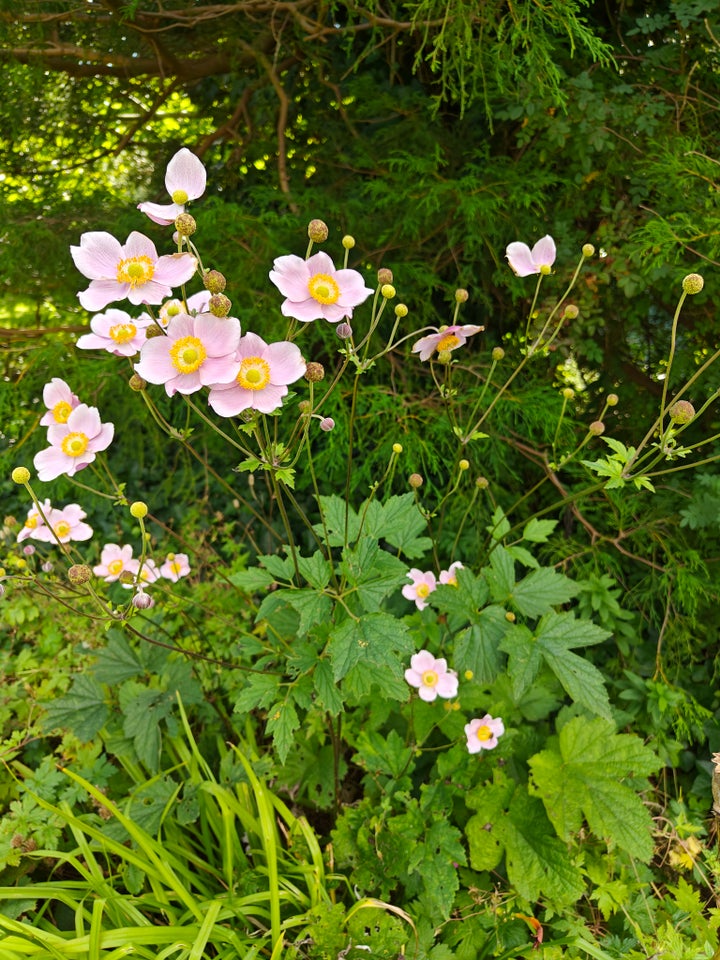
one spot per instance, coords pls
(243, 768)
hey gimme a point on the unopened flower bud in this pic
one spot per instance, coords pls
(47, 567)
(388, 291)
(154, 331)
(397, 448)
(682, 411)
(304, 407)
(138, 509)
(596, 428)
(415, 481)
(384, 275)
(28, 549)
(327, 424)
(317, 231)
(185, 225)
(137, 383)
(219, 305)
(497, 354)
(314, 372)
(461, 295)
(20, 475)
(693, 283)
(142, 600)
(468, 674)
(79, 573)
(510, 616)
(348, 242)
(482, 483)
(570, 312)
(464, 465)
(612, 399)
(401, 310)
(588, 250)
(126, 577)
(344, 330)
(444, 356)
(568, 393)
(214, 281)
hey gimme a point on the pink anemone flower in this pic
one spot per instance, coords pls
(197, 351)
(316, 290)
(116, 332)
(431, 677)
(421, 587)
(147, 573)
(35, 520)
(133, 271)
(114, 560)
(262, 380)
(197, 303)
(525, 261)
(446, 339)
(60, 401)
(73, 444)
(176, 565)
(483, 733)
(65, 524)
(185, 180)
(449, 576)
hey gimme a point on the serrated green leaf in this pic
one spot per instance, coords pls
(254, 580)
(142, 715)
(313, 607)
(281, 568)
(327, 692)
(523, 556)
(282, 722)
(540, 590)
(82, 710)
(500, 576)
(555, 634)
(117, 661)
(148, 804)
(580, 777)
(463, 602)
(500, 525)
(378, 640)
(334, 511)
(260, 690)
(399, 522)
(373, 572)
(538, 531)
(316, 570)
(524, 658)
(477, 648)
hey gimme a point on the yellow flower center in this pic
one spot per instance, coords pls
(62, 528)
(123, 332)
(175, 567)
(451, 581)
(448, 343)
(74, 444)
(115, 567)
(422, 590)
(254, 373)
(484, 733)
(179, 196)
(323, 288)
(187, 354)
(61, 411)
(135, 270)
(31, 523)
(430, 678)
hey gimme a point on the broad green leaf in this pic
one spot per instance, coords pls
(524, 658)
(538, 531)
(378, 640)
(259, 691)
(477, 648)
(555, 634)
(501, 575)
(254, 580)
(580, 777)
(117, 661)
(500, 526)
(540, 590)
(142, 715)
(389, 755)
(399, 522)
(82, 710)
(282, 722)
(313, 607)
(327, 692)
(334, 511)
(374, 573)
(523, 556)
(281, 568)
(461, 602)
(316, 570)
(148, 804)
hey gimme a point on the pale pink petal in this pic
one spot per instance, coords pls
(155, 364)
(251, 345)
(422, 661)
(543, 253)
(185, 172)
(230, 401)
(58, 391)
(520, 259)
(286, 362)
(353, 291)
(138, 245)
(290, 275)
(98, 255)
(320, 263)
(103, 439)
(220, 335)
(174, 269)
(428, 694)
(84, 419)
(162, 213)
(218, 370)
(102, 292)
(269, 398)
(50, 463)
(304, 310)
(447, 685)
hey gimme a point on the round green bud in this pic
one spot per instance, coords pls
(138, 509)
(612, 399)
(384, 275)
(397, 448)
(219, 305)
(468, 674)
(388, 291)
(20, 475)
(137, 383)
(461, 295)
(154, 331)
(444, 356)
(570, 312)
(464, 465)
(568, 393)
(214, 281)
(510, 617)
(401, 310)
(348, 242)
(545, 269)
(79, 573)
(693, 283)
(415, 481)
(597, 428)
(305, 407)
(482, 483)
(317, 231)
(588, 250)
(497, 354)
(314, 372)
(682, 411)
(185, 225)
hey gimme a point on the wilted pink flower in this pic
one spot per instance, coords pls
(176, 565)
(421, 587)
(446, 338)
(261, 382)
(114, 559)
(315, 289)
(73, 444)
(60, 401)
(148, 573)
(525, 261)
(483, 734)
(134, 271)
(196, 352)
(431, 677)
(448, 576)
(116, 332)
(66, 524)
(185, 179)
(34, 521)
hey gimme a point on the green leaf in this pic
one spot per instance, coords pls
(538, 531)
(327, 692)
(254, 580)
(282, 722)
(313, 607)
(536, 593)
(376, 640)
(260, 690)
(373, 572)
(582, 681)
(461, 602)
(82, 710)
(333, 509)
(524, 658)
(478, 647)
(142, 716)
(500, 526)
(117, 661)
(501, 575)
(316, 570)
(399, 523)
(581, 777)
(281, 568)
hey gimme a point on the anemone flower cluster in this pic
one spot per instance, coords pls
(116, 560)
(49, 524)
(75, 433)
(425, 582)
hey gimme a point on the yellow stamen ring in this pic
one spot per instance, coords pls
(135, 270)
(115, 567)
(123, 332)
(254, 373)
(323, 288)
(448, 343)
(188, 354)
(74, 444)
(62, 528)
(61, 411)
(430, 678)
(484, 733)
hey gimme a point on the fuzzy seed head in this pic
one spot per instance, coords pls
(185, 225)
(137, 383)
(682, 412)
(482, 483)
(461, 295)
(314, 372)
(154, 331)
(415, 481)
(305, 407)
(317, 231)
(20, 475)
(612, 399)
(597, 428)
(214, 281)
(570, 312)
(693, 283)
(397, 448)
(568, 393)
(79, 573)
(138, 509)
(219, 305)
(401, 311)
(464, 465)
(384, 276)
